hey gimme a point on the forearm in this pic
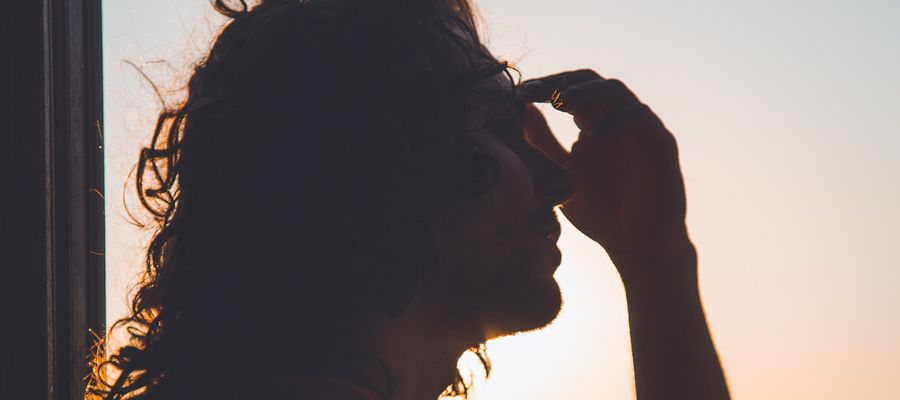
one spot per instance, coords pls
(674, 356)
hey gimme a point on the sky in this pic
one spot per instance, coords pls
(790, 145)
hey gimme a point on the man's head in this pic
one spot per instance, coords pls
(336, 158)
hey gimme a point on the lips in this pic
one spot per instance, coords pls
(552, 236)
(549, 232)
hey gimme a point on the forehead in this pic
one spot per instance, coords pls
(496, 96)
(493, 95)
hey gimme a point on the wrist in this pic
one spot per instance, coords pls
(663, 286)
(668, 264)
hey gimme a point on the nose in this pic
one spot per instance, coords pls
(554, 183)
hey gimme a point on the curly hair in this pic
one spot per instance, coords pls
(287, 188)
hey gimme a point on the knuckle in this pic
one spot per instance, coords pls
(617, 85)
(641, 109)
(587, 72)
(570, 92)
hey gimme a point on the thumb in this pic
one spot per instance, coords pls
(538, 133)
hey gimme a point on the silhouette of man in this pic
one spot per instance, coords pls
(354, 193)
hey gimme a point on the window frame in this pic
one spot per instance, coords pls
(52, 278)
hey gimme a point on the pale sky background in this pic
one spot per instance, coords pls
(788, 125)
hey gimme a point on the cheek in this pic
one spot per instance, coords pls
(490, 228)
(505, 211)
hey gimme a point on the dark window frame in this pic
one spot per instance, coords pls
(52, 250)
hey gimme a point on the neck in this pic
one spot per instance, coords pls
(412, 357)
(420, 354)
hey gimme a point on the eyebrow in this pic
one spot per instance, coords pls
(501, 102)
(515, 107)
(509, 116)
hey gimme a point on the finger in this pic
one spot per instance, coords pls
(593, 95)
(544, 89)
(632, 114)
(539, 134)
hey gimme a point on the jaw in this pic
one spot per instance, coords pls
(528, 308)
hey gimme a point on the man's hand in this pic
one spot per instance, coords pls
(630, 193)
(630, 199)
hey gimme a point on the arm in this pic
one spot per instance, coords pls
(630, 199)
(673, 352)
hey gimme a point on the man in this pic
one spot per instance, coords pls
(354, 193)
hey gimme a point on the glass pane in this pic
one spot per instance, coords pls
(786, 116)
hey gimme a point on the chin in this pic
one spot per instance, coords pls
(523, 308)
